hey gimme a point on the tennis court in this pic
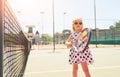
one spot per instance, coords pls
(45, 63)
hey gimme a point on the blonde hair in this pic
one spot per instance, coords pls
(74, 20)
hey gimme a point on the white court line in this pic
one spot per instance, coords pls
(92, 68)
(105, 67)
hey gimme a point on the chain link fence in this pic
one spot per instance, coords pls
(106, 36)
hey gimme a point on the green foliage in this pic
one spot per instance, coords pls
(116, 26)
(46, 39)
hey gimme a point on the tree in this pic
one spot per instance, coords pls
(46, 39)
(117, 24)
(112, 27)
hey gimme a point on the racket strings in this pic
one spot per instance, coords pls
(85, 37)
(83, 42)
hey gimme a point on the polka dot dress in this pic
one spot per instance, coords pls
(78, 57)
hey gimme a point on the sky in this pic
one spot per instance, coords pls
(40, 14)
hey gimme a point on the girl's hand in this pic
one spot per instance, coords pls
(69, 44)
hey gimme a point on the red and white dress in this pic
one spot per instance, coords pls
(78, 57)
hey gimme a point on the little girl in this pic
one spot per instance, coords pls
(76, 57)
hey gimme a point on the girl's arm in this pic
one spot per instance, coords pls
(68, 42)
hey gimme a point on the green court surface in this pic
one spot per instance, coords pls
(45, 63)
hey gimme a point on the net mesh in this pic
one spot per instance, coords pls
(16, 46)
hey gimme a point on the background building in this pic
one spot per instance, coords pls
(30, 34)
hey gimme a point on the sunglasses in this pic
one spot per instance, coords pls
(75, 23)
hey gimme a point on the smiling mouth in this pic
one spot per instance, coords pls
(78, 26)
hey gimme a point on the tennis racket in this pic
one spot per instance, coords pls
(83, 40)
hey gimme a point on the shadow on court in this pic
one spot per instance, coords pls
(45, 63)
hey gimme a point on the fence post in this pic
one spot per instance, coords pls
(1, 39)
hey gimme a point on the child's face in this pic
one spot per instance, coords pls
(77, 25)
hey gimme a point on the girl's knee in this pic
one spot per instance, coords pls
(75, 67)
(85, 70)
(85, 67)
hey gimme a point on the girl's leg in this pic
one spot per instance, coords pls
(85, 69)
(75, 70)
